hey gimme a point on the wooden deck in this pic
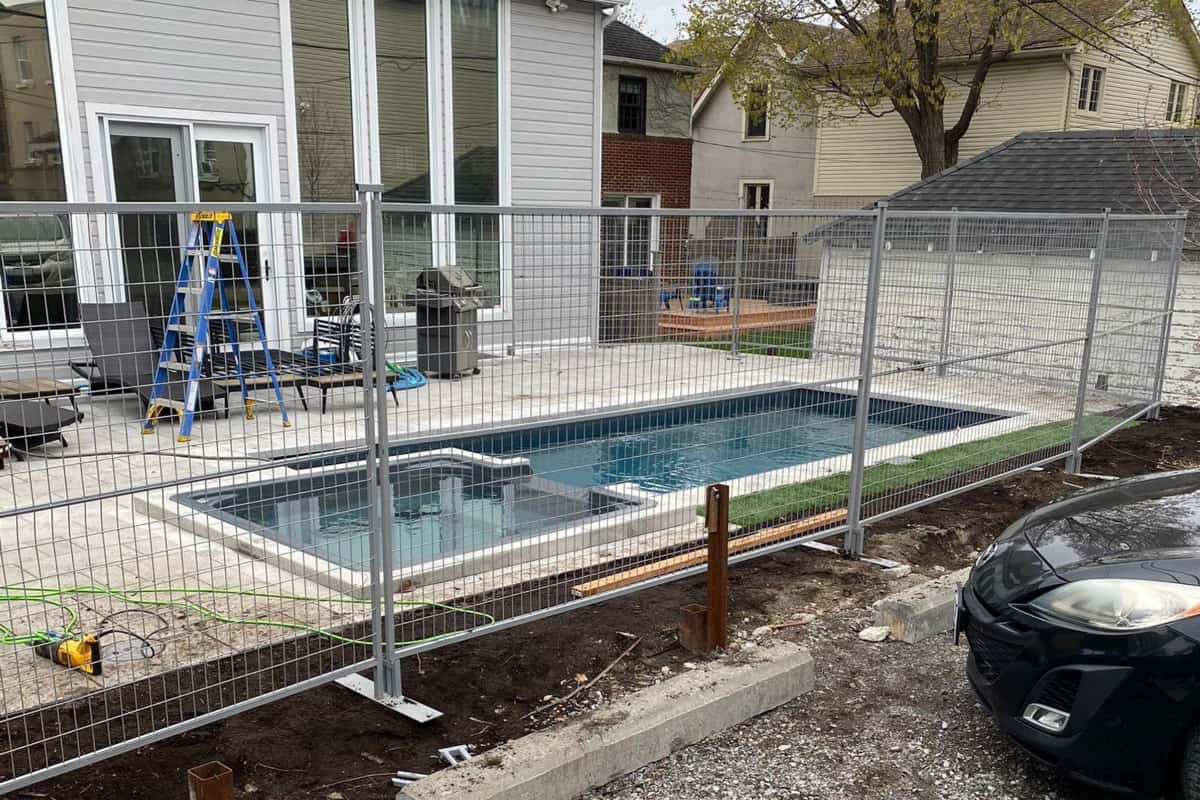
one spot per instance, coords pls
(753, 315)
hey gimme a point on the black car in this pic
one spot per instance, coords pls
(1083, 621)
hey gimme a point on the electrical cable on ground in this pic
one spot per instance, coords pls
(166, 597)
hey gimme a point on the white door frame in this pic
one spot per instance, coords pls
(101, 116)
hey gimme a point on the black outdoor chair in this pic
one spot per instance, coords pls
(124, 356)
(26, 424)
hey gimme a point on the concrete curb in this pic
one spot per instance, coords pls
(915, 614)
(564, 761)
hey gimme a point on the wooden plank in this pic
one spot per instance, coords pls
(694, 558)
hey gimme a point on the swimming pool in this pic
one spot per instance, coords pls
(702, 442)
(468, 504)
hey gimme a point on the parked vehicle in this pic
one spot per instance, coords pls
(1083, 621)
(38, 271)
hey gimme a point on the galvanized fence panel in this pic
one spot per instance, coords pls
(520, 436)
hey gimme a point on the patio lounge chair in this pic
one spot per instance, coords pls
(25, 424)
(290, 368)
(125, 354)
(343, 339)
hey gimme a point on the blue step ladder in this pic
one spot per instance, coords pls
(200, 275)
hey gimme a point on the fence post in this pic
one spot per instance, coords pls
(1085, 359)
(717, 523)
(855, 538)
(735, 300)
(1164, 344)
(948, 298)
(365, 250)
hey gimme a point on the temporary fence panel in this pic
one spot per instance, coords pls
(496, 414)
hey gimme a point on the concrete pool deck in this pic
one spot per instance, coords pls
(111, 541)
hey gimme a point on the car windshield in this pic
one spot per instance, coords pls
(15, 230)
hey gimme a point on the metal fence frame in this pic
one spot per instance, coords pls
(369, 209)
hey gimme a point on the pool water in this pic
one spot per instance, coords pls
(711, 442)
(440, 507)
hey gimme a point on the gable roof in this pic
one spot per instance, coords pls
(1069, 171)
(1136, 171)
(623, 41)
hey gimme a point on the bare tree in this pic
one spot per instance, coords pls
(812, 61)
(319, 143)
(633, 16)
(1166, 174)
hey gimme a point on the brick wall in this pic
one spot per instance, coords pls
(653, 165)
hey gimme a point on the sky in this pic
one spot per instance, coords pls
(658, 16)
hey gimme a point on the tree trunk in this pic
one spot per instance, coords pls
(929, 137)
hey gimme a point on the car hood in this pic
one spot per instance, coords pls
(1146, 527)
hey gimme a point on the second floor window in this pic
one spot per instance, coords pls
(754, 121)
(1090, 82)
(1176, 98)
(24, 65)
(631, 105)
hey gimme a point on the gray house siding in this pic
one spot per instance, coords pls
(555, 144)
(721, 159)
(167, 54)
(553, 96)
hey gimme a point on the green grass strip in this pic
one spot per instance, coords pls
(795, 343)
(786, 502)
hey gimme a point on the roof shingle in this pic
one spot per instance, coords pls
(622, 41)
(1072, 171)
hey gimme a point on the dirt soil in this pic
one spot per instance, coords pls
(328, 743)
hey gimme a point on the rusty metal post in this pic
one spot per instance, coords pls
(693, 628)
(717, 521)
(211, 781)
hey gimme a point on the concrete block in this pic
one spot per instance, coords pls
(564, 761)
(915, 614)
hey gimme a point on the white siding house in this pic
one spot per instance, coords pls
(159, 100)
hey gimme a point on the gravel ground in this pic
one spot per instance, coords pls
(885, 722)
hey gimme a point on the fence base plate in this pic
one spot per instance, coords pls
(882, 563)
(404, 706)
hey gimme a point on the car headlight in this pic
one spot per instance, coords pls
(1118, 604)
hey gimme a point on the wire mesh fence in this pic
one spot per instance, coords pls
(254, 448)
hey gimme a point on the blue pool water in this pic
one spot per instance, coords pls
(698, 443)
(441, 506)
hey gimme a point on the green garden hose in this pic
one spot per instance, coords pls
(155, 597)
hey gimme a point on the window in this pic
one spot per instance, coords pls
(757, 195)
(24, 65)
(475, 72)
(37, 270)
(325, 144)
(628, 242)
(631, 105)
(1176, 97)
(754, 117)
(1089, 88)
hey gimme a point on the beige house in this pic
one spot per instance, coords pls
(1142, 76)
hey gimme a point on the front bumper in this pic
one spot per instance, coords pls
(1130, 697)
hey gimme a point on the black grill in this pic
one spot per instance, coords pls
(1058, 690)
(992, 655)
